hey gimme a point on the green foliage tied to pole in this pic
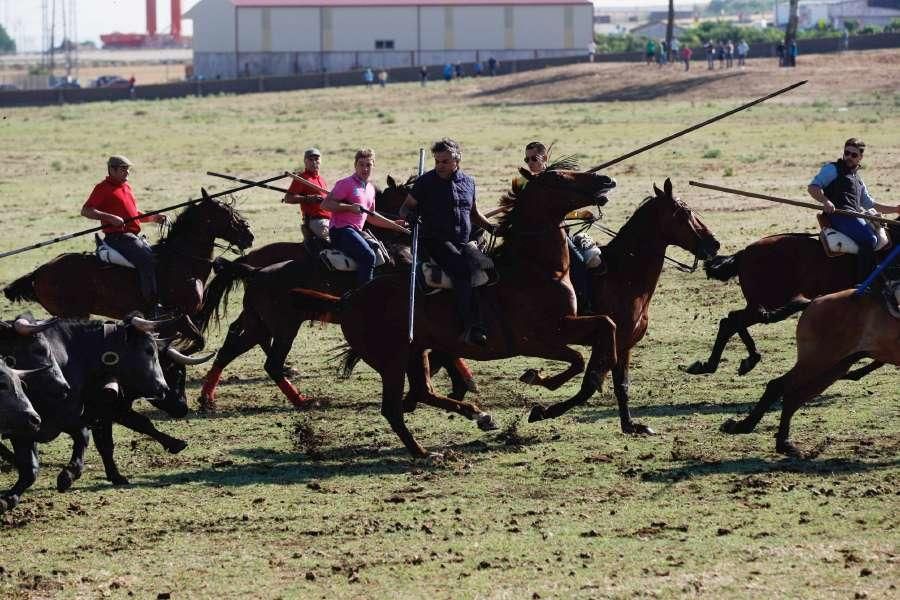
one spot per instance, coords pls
(7, 44)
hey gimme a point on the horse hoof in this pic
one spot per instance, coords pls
(471, 385)
(530, 377)
(537, 413)
(206, 405)
(486, 422)
(176, 446)
(788, 448)
(65, 479)
(118, 480)
(637, 429)
(434, 458)
(729, 427)
(8, 503)
(699, 368)
(748, 363)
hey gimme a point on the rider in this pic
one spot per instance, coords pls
(112, 203)
(536, 159)
(445, 198)
(315, 218)
(348, 201)
(839, 186)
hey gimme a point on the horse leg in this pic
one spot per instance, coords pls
(621, 385)
(72, 471)
(392, 379)
(422, 390)
(774, 390)
(603, 357)
(727, 328)
(796, 395)
(857, 374)
(460, 376)
(142, 424)
(281, 346)
(103, 440)
(7, 454)
(26, 460)
(245, 332)
(192, 332)
(554, 382)
(775, 316)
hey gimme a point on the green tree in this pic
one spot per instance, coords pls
(7, 44)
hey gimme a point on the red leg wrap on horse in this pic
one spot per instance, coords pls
(466, 374)
(211, 382)
(296, 398)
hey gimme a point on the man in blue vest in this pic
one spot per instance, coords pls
(839, 186)
(445, 200)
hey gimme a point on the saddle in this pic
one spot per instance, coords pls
(335, 260)
(433, 279)
(836, 243)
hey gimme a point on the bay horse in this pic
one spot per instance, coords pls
(79, 285)
(531, 311)
(778, 275)
(834, 332)
(624, 292)
(267, 318)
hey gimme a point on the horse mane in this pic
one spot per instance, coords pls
(509, 200)
(183, 222)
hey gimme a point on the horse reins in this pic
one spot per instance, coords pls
(683, 267)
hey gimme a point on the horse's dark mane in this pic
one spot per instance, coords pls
(628, 232)
(183, 223)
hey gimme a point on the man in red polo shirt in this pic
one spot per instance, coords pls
(315, 218)
(112, 203)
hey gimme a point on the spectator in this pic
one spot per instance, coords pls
(131, 91)
(423, 75)
(458, 70)
(448, 72)
(686, 53)
(493, 63)
(729, 55)
(675, 51)
(743, 48)
(478, 69)
(368, 77)
(382, 77)
(661, 53)
(651, 51)
(592, 50)
(793, 51)
(720, 53)
(710, 55)
(779, 50)
(845, 39)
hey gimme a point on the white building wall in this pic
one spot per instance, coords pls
(295, 29)
(357, 28)
(213, 26)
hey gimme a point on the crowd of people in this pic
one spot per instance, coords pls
(726, 52)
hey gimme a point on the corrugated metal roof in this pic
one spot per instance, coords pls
(338, 3)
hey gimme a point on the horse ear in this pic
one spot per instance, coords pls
(656, 190)
(205, 195)
(391, 182)
(667, 186)
(526, 173)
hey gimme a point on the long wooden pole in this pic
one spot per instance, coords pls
(819, 207)
(274, 188)
(694, 127)
(414, 250)
(69, 236)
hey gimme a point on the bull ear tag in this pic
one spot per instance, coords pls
(10, 361)
(109, 358)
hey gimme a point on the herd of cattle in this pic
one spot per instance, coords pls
(79, 376)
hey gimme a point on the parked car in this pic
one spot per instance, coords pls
(111, 81)
(8, 87)
(66, 85)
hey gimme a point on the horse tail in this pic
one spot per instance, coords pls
(319, 305)
(722, 268)
(349, 359)
(229, 275)
(21, 289)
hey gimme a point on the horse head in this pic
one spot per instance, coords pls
(550, 195)
(389, 200)
(680, 225)
(225, 222)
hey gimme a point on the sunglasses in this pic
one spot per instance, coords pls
(534, 158)
(852, 154)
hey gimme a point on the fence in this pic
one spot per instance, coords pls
(319, 80)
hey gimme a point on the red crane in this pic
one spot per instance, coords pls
(151, 38)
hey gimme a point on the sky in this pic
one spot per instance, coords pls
(22, 18)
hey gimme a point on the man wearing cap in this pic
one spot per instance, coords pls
(315, 218)
(112, 203)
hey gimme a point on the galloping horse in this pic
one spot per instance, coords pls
(530, 312)
(78, 285)
(778, 275)
(635, 260)
(833, 333)
(268, 319)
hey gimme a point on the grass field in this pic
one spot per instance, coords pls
(267, 502)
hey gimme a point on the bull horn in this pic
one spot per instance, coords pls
(148, 326)
(22, 373)
(24, 327)
(183, 359)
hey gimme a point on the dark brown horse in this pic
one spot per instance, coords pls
(267, 318)
(778, 276)
(78, 285)
(530, 312)
(833, 333)
(635, 260)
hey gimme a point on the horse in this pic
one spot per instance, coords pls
(834, 332)
(253, 326)
(778, 276)
(78, 285)
(624, 291)
(531, 311)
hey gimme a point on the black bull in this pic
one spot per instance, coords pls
(75, 360)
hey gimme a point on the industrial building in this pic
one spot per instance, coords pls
(837, 12)
(286, 37)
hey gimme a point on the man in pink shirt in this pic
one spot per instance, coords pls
(347, 202)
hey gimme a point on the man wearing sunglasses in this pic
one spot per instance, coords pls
(839, 186)
(112, 203)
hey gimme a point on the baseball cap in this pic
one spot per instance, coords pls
(118, 160)
(311, 152)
